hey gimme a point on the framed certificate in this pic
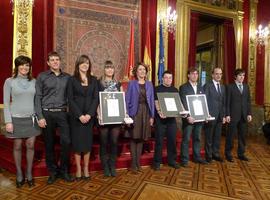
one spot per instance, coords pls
(170, 104)
(112, 107)
(198, 108)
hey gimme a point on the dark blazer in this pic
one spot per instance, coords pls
(82, 102)
(216, 102)
(187, 89)
(238, 105)
(132, 97)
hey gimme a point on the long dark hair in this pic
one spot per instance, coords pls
(82, 59)
(21, 60)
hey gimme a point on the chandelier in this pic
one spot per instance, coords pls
(262, 35)
(171, 21)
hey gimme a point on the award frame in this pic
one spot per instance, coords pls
(176, 107)
(112, 107)
(198, 107)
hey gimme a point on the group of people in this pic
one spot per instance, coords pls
(71, 104)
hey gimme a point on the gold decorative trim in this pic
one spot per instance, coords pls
(267, 80)
(252, 50)
(162, 6)
(22, 28)
(184, 8)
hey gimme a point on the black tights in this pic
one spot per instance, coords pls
(136, 147)
(17, 153)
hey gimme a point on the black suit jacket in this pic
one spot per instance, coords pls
(238, 105)
(82, 101)
(187, 89)
(215, 101)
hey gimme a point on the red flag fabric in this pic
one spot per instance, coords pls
(147, 53)
(130, 61)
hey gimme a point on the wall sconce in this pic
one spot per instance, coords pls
(261, 36)
(171, 21)
(22, 3)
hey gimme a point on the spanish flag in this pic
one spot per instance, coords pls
(147, 53)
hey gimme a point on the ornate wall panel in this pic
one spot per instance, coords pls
(99, 29)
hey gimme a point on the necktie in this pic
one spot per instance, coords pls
(241, 88)
(218, 88)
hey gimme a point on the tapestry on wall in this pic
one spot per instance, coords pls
(97, 28)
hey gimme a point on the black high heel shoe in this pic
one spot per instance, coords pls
(31, 183)
(19, 184)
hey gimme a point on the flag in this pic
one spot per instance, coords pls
(147, 52)
(130, 61)
(161, 55)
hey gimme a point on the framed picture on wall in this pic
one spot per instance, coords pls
(198, 108)
(170, 104)
(112, 107)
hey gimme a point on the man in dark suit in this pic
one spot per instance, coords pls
(215, 94)
(238, 114)
(190, 127)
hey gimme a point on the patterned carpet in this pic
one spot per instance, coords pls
(238, 180)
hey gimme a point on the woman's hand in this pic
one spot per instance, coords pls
(151, 121)
(9, 127)
(190, 120)
(88, 117)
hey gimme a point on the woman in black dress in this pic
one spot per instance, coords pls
(108, 133)
(83, 102)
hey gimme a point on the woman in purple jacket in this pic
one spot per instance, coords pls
(140, 107)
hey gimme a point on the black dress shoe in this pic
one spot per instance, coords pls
(31, 183)
(209, 160)
(86, 178)
(156, 167)
(203, 162)
(19, 184)
(174, 165)
(67, 177)
(230, 159)
(217, 158)
(244, 158)
(52, 178)
(183, 164)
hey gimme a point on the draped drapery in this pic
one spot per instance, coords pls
(171, 44)
(149, 12)
(194, 21)
(229, 51)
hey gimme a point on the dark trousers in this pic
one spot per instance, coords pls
(165, 127)
(241, 128)
(212, 138)
(57, 120)
(195, 131)
(108, 135)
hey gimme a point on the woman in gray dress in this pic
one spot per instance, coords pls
(19, 114)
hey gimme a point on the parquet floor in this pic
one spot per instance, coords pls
(238, 180)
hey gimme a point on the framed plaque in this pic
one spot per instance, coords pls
(112, 107)
(170, 104)
(198, 108)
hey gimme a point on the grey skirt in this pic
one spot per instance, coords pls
(24, 127)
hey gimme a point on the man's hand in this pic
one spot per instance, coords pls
(88, 117)
(42, 123)
(190, 120)
(249, 118)
(161, 115)
(228, 119)
(83, 119)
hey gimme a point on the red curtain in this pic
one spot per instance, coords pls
(171, 44)
(149, 10)
(194, 20)
(229, 51)
(245, 37)
(6, 34)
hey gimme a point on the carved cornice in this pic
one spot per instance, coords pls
(22, 30)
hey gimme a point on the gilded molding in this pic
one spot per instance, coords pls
(162, 6)
(184, 8)
(267, 80)
(22, 28)
(252, 50)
